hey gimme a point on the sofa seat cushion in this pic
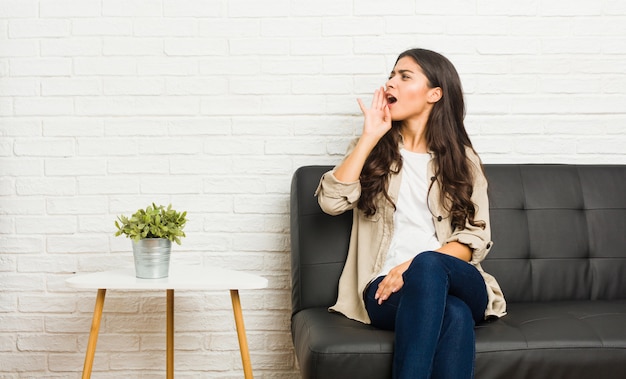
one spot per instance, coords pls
(329, 345)
(570, 339)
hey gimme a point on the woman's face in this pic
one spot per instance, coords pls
(408, 92)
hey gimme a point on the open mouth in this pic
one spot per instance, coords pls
(391, 99)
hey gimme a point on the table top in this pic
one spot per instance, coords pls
(181, 277)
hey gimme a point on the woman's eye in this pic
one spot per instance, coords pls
(406, 77)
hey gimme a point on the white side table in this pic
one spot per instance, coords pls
(181, 277)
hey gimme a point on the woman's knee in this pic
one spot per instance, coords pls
(426, 262)
(427, 259)
(425, 269)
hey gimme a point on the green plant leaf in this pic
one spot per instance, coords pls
(153, 222)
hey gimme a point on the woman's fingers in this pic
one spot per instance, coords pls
(377, 118)
(391, 283)
(362, 106)
(387, 286)
(379, 101)
(376, 99)
(387, 116)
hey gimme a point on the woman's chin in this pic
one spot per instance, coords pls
(395, 116)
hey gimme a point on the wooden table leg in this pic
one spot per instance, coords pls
(93, 334)
(170, 334)
(241, 334)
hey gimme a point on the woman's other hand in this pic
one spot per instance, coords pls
(392, 283)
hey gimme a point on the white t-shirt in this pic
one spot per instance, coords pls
(414, 231)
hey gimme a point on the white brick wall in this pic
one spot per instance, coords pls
(211, 105)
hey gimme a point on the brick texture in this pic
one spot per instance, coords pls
(108, 105)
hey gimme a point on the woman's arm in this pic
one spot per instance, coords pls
(376, 124)
(340, 189)
(336, 197)
(476, 238)
(456, 249)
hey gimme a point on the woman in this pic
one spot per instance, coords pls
(421, 221)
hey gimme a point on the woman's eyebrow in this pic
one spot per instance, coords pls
(402, 71)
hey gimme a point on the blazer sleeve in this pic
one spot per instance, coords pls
(335, 196)
(477, 238)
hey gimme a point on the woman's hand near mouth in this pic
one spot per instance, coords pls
(377, 122)
(377, 117)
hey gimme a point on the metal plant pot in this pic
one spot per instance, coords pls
(152, 257)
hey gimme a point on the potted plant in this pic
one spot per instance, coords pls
(152, 231)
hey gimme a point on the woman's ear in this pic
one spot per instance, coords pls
(434, 94)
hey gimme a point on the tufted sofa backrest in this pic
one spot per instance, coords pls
(559, 233)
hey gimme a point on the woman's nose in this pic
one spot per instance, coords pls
(389, 83)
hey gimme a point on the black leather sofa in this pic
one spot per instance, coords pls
(559, 254)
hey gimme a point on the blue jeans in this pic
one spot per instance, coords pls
(433, 316)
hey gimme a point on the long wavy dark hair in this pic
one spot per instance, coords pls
(446, 137)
